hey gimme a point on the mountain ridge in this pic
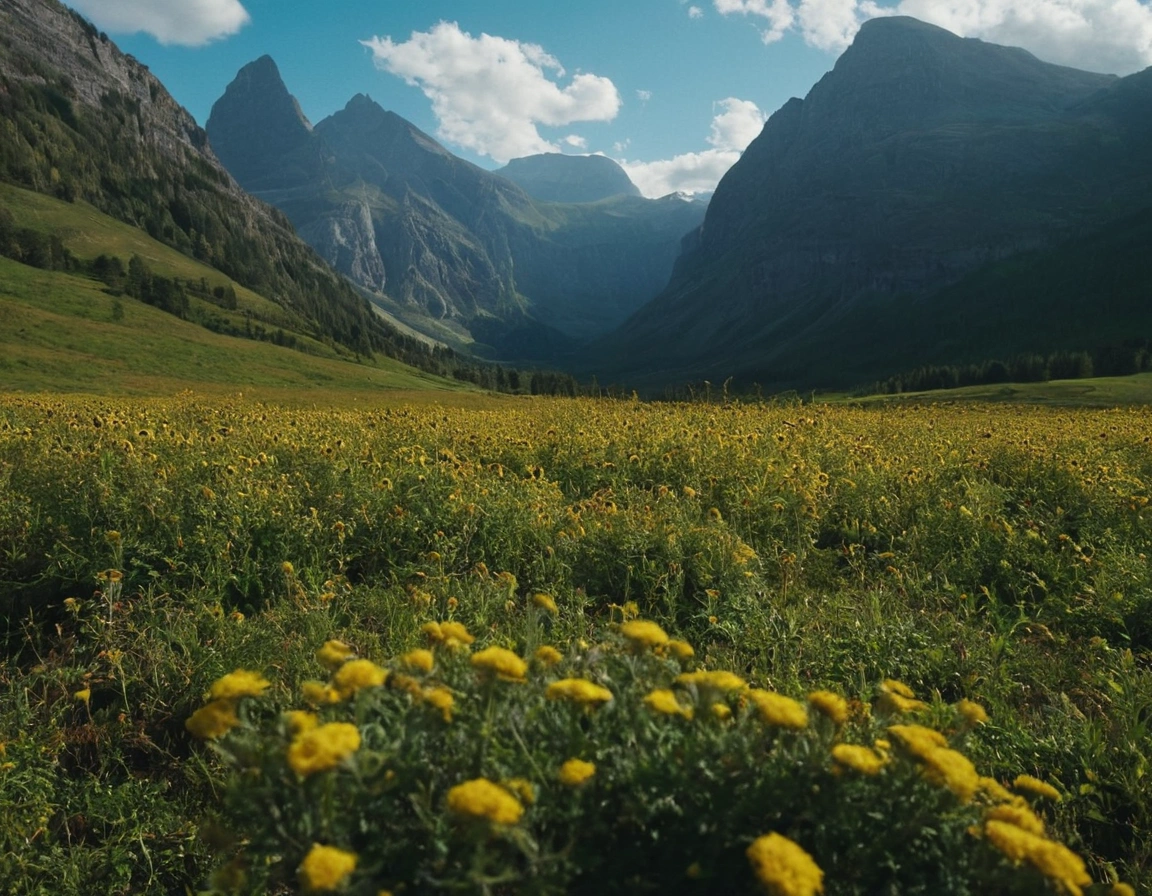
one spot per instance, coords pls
(918, 159)
(460, 253)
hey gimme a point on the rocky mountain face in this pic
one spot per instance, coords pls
(460, 253)
(555, 177)
(920, 159)
(82, 120)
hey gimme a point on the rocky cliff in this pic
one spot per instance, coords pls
(920, 158)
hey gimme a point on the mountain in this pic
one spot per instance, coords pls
(555, 177)
(457, 252)
(84, 122)
(924, 177)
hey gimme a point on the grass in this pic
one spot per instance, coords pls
(60, 333)
(1097, 392)
(150, 546)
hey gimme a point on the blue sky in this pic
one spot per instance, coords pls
(673, 89)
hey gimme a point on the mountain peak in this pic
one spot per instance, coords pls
(556, 177)
(257, 102)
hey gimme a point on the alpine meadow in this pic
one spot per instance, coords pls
(385, 513)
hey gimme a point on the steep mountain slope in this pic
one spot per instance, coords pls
(81, 120)
(459, 252)
(919, 159)
(555, 177)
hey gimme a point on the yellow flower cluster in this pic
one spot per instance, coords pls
(326, 868)
(575, 772)
(578, 690)
(356, 675)
(500, 663)
(218, 716)
(1037, 787)
(333, 654)
(942, 765)
(864, 760)
(830, 705)
(1054, 860)
(778, 710)
(664, 701)
(784, 867)
(482, 799)
(322, 747)
(896, 698)
(642, 633)
(449, 634)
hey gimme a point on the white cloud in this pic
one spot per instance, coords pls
(186, 22)
(576, 141)
(695, 12)
(738, 125)
(733, 128)
(489, 94)
(1099, 35)
(643, 95)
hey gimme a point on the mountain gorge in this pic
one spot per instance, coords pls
(900, 215)
(463, 254)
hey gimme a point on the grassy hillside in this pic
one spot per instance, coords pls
(1095, 392)
(61, 332)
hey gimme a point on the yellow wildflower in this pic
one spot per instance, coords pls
(333, 654)
(575, 772)
(326, 868)
(972, 712)
(1021, 816)
(213, 720)
(783, 867)
(1054, 860)
(996, 791)
(717, 680)
(548, 655)
(450, 634)
(664, 701)
(355, 675)
(240, 683)
(442, 699)
(1120, 889)
(502, 663)
(545, 602)
(407, 684)
(578, 690)
(317, 693)
(952, 769)
(831, 705)
(858, 758)
(300, 720)
(642, 633)
(83, 695)
(776, 709)
(892, 686)
(419, 659)
(522, 789)
(1038, 787)
(682, 650)
(721, 711)
(481, 799)
(918, 739)
(323, 747)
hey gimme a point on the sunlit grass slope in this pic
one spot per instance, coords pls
(64, 332)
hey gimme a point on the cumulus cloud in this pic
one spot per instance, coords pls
(695, 12)
(734, 126)
(490, 94)
(186, 22)
(1099, 35)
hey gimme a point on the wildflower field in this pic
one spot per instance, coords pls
(573, 646)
